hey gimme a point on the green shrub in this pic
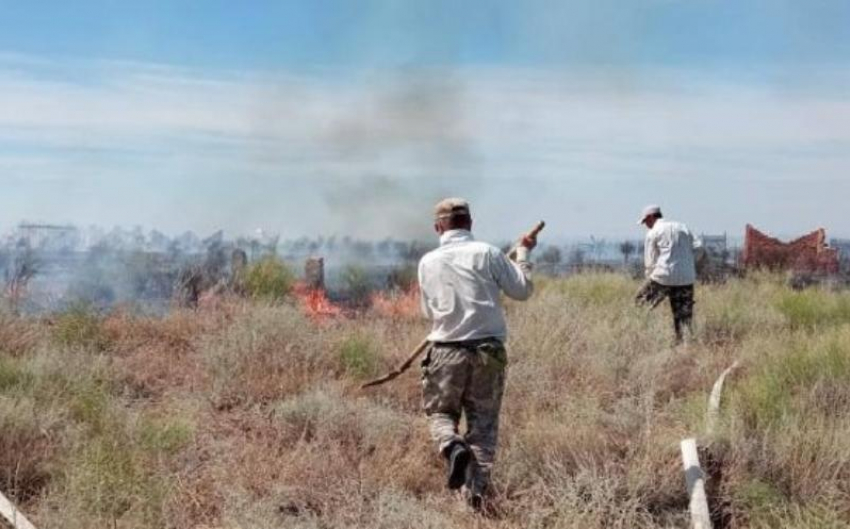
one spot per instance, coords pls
(113, 472)
(165, 436)
(807, 370)
(89, 404)
(12, 376)
(759, 499)
(269, 279)
(80, 326)
(105, 475)
(358, 357)
(814, 308)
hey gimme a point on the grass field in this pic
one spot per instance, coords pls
(248, 415)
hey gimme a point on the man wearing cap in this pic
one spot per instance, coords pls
(669, 257)
(464, 369)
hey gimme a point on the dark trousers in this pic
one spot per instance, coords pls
(681, 299)
(466, 378)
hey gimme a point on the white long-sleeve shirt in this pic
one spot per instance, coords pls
(669, 253)
(460, 284)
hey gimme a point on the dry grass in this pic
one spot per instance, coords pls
(249, 415)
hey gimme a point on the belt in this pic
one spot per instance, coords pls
(468, 344)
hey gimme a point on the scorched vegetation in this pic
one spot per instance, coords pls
(247, 414)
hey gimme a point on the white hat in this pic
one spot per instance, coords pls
(649, 210)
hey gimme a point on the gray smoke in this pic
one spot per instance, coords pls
(416, 125)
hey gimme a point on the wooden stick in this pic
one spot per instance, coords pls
(714, 400)
(424, 344)
(12, 515)
(400, 369)
(695, 478)
(534, 232)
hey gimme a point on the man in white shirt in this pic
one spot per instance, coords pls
(669, 257)
(461, 283)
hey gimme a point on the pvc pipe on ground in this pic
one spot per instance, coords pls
(12, 515)
(714, 400)
(695, 479)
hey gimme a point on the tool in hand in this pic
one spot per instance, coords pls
(423, 345)
(530, 235)
(400, 369)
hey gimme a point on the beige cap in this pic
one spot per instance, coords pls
(449, 207)
(647, 211)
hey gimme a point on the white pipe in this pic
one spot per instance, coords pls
(714, 400)
(13, 515)
(695, 478)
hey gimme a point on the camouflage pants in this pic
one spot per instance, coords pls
(466, 378)
(681, 303)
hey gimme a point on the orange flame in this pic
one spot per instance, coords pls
(315, 302)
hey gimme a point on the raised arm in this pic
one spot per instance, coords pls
(514, 278)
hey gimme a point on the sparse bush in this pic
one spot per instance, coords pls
(726, 313)
(325, 416)
(806, 375)
(814, 308)
(80, 326)
(17, 335)
(88, 403)
(358, 357)
(357, 284)
(12, 376)
(165, 436)
(269, 279)
(267, 353)
(28, 455)
(759, 499)
(109, 479)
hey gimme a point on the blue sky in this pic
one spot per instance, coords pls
(392, 33)
(306, 117)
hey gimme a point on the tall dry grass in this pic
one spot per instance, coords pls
(249, 415)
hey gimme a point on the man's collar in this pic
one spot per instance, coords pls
(452, 236)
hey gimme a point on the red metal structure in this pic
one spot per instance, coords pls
(808, 253)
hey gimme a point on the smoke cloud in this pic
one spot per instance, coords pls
(367, 154)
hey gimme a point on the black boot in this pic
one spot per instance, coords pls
(458, 455)
(476, 501)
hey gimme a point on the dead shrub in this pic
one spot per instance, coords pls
(264, 355)
(18, 336)
(28, 450)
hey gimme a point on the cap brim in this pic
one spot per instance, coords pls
(641, 221)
